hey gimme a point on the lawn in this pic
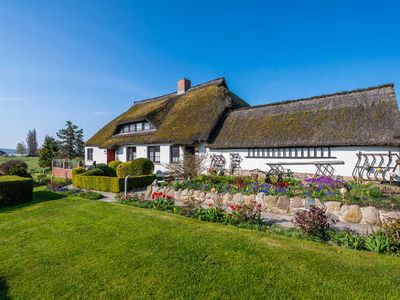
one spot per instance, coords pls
(68, 247)
(32, 162)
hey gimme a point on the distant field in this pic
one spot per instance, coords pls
(33, 162)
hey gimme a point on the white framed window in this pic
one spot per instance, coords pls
(294, 152)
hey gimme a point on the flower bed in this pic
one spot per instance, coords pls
(322, 188)
(313, 223)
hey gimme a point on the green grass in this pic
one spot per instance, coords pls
(69, 247)
(32, 162)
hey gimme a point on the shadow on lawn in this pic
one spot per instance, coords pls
(3, 288)
(38, 197)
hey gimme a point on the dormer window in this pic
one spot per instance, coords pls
(135, 127)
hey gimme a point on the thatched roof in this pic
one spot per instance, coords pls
(361, 117)
(184, 119)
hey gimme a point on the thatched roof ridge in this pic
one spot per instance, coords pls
(361, 117)
(186, 118)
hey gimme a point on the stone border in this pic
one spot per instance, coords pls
(282, 204)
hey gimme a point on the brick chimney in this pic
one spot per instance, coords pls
(183, 86)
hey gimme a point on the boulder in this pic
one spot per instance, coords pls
(283, 204)
(184, 193)
(148, 192)
(296, 202)
(343, 209)
(260, 199)
(352, 214)
(270, 201)
(308, 202)
(196, 194)
(385, 216)
(217, 200)
(319, 204)
(190, 193)
(170, 192)
(370, 215)
(333, 216)
(227, 198)
(177, 195)
(237, 198)
(250, 200)
(332, 206)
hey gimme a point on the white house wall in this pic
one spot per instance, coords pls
(99, 156)
(345, 154)
(141, 151)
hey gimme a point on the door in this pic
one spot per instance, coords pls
(110, 155)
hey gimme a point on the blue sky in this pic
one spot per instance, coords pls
(87, 61)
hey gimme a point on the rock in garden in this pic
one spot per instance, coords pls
(250, 200)
(217, 200)
(227, 198)
(296, 202)
(333, 216)
(308, 202)
(177, 196)
(154, 189)
(332, 206)
(170, 192)
(270, 201)
(148, 191)
(352, 215)
(184, 192)
(392, 215)
(343, 209)
(260, 199)
(190, 193)
(319, 204)
(237, 198)
(283, 204)
(370, 215)
(196, 194)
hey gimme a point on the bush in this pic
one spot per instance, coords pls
(78, 170)
(111, 184)
(137, 167)
(93, 172)
(314, 222)
(347, 238)
(141, 166)
(15, 190)
(20, 171)
(107, 171)
(114, 164)
(6, 167)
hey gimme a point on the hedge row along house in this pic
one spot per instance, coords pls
(335, 132)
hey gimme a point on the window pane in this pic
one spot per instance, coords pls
(174, 154)
(139, 127)
(146, 126)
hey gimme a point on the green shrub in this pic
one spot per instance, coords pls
(20, 171)
(107, 171)
(137, 167)
(111, 184)
(15, 190)
(114, 164)
(93, 172)
(7, 166)
(123, 169)
(78, 170)
(141, 166)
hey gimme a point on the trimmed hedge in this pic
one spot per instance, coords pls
(111, 184)
(15, 190)
(136, 167)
